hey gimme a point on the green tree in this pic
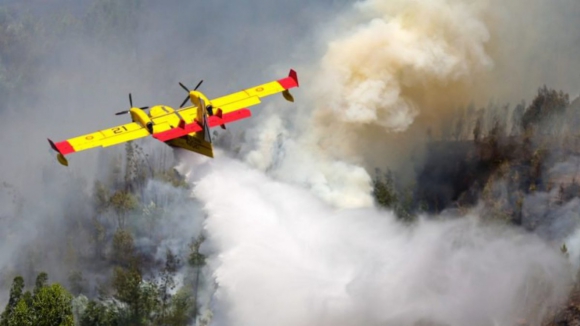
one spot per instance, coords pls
(22, 315)
(546, 105)
(122, 203)
(123, 251)
(48, 306)
(99, 313)
(141, 297)
(100, 197)
(15, 295)
(167, 285)
(127, 283)
(183, 308)
(41, 281)
(52, 306)
(564, 250)
(384, 191)
(99, 237)
(197, 261)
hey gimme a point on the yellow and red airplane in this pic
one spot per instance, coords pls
(186, 127)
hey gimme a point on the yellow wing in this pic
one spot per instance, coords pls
(251, 96)
(104, 138)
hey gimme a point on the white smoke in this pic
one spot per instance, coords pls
(298, 161)
(281, 256)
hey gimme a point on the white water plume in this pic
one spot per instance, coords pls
(281, 256)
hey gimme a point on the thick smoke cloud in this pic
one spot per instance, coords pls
(393, 72)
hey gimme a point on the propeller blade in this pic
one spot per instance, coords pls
(130, 100)
(122, 112)
(184, 101)
(206, 131)
(196, 87)
(202, 104)
(183, 86)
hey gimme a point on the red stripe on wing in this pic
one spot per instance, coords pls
(213, 121)
(64, 147)
(240, 114)
(177, 132)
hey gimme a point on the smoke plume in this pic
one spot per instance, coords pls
(281, 256)
(393, 73)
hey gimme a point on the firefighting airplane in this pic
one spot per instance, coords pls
(187, 127)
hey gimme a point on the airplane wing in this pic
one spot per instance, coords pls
(226, 109)
(251, 96)
(103, 138)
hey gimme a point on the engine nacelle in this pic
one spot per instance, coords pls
(196, 96)
(139, 116)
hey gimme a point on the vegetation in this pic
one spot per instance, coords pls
(141, 290)
(47, 305)
(499, 161)
(132, 286)
(503, 159)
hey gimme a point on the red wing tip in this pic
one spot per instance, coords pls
(294, 76)
(63, 147)
(52, 145)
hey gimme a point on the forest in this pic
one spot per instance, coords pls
(515, 164)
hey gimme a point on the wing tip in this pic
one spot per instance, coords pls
(59, 156)
(52, 145)
(292, 74)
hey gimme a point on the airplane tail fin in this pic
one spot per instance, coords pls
(206, 130)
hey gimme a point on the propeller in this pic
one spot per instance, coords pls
(131, 104)
(187, 90)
